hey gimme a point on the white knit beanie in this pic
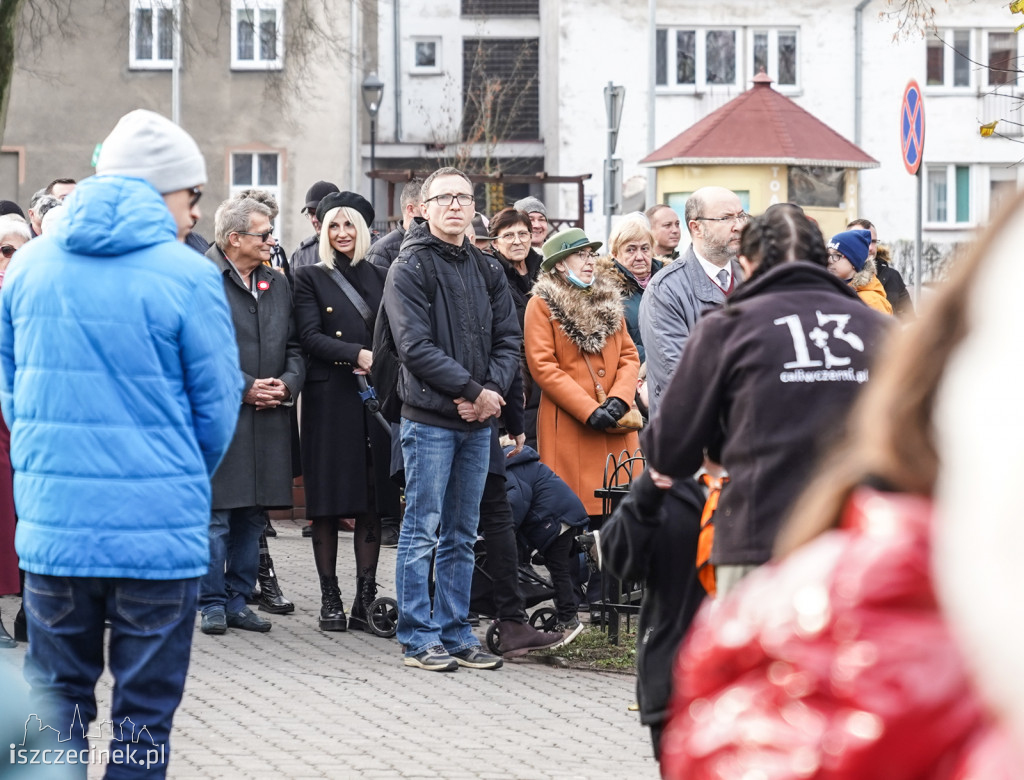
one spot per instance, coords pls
(148, 146)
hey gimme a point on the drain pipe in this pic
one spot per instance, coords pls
(355, 161)
(858, 68)
(398, 72)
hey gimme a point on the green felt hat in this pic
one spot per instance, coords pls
(563, 244)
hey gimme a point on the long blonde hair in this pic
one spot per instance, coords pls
(326, 251)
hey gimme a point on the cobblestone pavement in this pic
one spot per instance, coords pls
(300, 703)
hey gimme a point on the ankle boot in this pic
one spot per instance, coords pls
(366, 594)
(271, 598)
(6, 640)
(332, 613)
(21, 626)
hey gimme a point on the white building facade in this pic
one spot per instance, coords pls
(838, 60)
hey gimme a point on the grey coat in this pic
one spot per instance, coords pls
(670, 307)
(257, 470)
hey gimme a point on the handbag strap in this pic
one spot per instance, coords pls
(590, 368)
(350, 292)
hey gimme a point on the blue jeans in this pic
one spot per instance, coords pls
(234, 557)
(151, 623)
(445, 472)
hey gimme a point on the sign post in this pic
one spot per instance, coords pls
(912, 146)
(613, 100)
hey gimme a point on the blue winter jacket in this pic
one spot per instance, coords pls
(540, 500)
(120, 383)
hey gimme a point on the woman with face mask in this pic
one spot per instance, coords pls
(575, 325)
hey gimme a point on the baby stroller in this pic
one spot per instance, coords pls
(383, 614)
(534, 588)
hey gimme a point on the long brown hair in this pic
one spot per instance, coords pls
(891, 434)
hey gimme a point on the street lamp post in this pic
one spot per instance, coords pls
(373, 91)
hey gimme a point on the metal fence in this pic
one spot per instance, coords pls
(620, 600)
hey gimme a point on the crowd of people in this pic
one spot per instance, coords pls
(524, 358)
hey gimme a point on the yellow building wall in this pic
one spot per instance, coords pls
(766, 184)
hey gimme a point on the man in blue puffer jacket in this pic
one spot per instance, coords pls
(121, 387)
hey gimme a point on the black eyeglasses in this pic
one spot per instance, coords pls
(741, 218)
(8, 250)
(197, 193)
(447, 198)
(263, 237)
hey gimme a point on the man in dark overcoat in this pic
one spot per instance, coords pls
(256, 472)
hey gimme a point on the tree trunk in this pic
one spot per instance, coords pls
(9, 12)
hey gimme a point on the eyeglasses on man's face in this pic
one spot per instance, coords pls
(522, 236)
(446, 199)
(834, 257)
(265, 236)
(8, 250)
(738, 218)
(196, 193)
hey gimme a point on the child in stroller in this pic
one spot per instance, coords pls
(548, 516)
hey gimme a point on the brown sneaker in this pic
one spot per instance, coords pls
(518, 639)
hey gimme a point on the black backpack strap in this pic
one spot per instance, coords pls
(350, 292)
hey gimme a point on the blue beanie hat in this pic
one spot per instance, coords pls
(853, 245)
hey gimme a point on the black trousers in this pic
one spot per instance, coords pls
(556, 558)
(498, 529)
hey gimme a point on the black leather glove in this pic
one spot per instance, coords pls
(616, 407)
(601, 419)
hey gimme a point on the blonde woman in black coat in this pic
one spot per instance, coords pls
(345, 452)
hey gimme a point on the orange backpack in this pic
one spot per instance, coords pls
(706, 538)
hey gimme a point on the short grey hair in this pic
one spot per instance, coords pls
(412, 193)
(438, 174)
(235, 216)
(45, 204)
(35, 198)
(263, 196)
(13, 225)
(694, 209)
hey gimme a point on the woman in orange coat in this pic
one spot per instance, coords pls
(575, 311)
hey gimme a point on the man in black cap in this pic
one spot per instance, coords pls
(306, 254)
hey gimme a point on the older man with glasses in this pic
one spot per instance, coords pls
(701, 278)
(257, 470)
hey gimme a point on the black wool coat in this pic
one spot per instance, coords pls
(344, 450)
(257, 470)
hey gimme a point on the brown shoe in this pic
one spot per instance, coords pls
(518, 639)
(347, 525)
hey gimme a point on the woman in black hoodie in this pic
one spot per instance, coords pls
(764, 385)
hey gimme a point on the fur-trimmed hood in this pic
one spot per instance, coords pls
(586, 317)
(863, 276)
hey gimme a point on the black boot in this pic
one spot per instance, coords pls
(6, 640)
(21, 626)
(332, 613)
(271, 598)
(366, 594)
